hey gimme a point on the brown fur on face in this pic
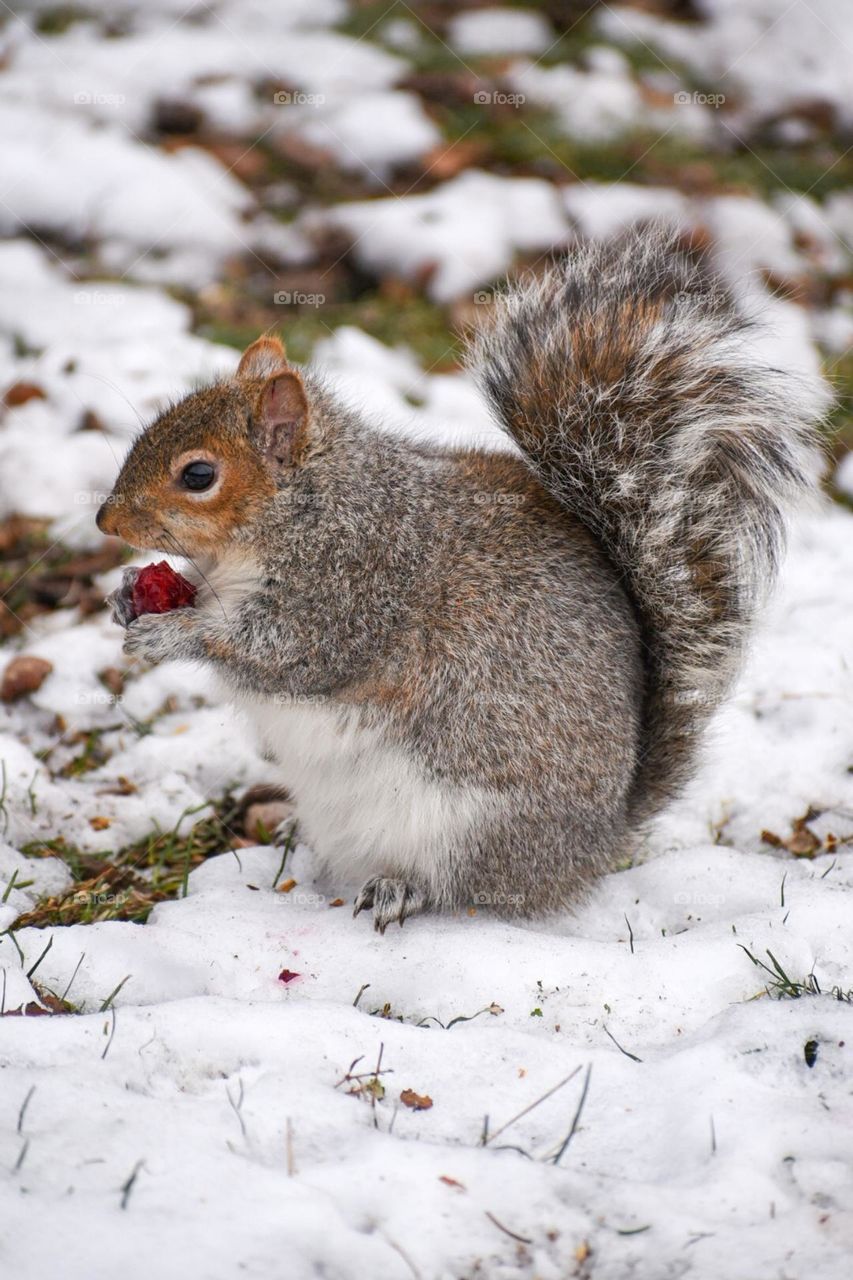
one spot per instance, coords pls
(222, 424)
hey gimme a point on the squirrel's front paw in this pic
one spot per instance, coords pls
(157, 637)
(120, 601)
(390, 899)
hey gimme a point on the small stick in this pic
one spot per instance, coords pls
(551, 1091)
(632, 1056)
(23, 1109)
(576, 1120)
(128, 1186)
(506, 1230)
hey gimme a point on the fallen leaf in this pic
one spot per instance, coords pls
(287, 975)
(22, 392)
(336, 902)
(24, 674)
(286, 886)
(100, 823)
(451, 1182)
(803, 843)
(417, 1101)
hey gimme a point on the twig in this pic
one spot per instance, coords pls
(630, 935)
(127, 1187)
(361, 992)
(399, 1249)
(506, 1230)
(529, 1108)
(23, 1110)
(575, 1122)
(22, 1155)
(632, 1056)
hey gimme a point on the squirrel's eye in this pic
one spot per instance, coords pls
(198, 475)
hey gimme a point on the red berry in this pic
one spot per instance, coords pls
(158, 589)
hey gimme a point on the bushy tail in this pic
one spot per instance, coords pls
(625, 377)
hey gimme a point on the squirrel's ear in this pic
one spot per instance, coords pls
(262, 358)
(281, 424)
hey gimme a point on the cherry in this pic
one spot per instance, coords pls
(158, 589)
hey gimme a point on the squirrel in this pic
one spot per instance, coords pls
(482, 673)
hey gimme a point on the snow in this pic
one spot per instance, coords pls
(603, 100)
(500, 31)
(767, 57)
(464, 233)
(373, 133)
(208, 1113)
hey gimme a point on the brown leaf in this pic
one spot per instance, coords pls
(286, 886)
(417, 1101)
(451, 1182)
(803, 843)
(31, 1010)
(100, 823)
(770, 837)
(336, 902)
(24, 674)
(21, 392)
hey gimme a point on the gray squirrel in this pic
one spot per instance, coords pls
(481, 674)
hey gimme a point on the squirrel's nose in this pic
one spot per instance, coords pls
(102, 518)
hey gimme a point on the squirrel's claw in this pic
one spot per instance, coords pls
(120, 602)
(390, 899)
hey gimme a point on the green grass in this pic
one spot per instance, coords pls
(128, 883)
(415, 322)
(782, 987)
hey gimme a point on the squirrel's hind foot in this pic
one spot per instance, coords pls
(390, 900)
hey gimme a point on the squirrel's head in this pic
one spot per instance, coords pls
(207, 467)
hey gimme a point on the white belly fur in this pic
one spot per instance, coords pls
(364, 807)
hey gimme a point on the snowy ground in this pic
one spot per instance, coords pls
(691, 1117)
